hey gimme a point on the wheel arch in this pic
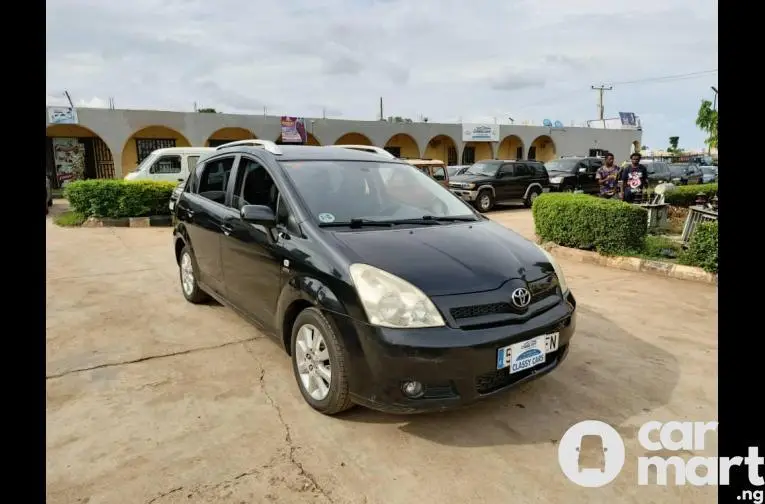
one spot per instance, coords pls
(531, 186)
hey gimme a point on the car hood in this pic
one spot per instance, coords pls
(556, 173)
(449, 259)
(467, 177)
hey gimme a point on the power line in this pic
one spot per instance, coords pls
(665, 77)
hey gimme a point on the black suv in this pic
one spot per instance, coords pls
(574, 174)
(489, 182)
(367, 272)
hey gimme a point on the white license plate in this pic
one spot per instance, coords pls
(527, 354)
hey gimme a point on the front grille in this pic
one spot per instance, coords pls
(501, 378)
(539, 289)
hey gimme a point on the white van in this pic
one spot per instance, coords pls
(172, 164)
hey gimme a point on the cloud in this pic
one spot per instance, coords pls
(438, 58)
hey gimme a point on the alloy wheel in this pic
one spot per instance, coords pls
(187, 274)
(485, 202)
(312, 358)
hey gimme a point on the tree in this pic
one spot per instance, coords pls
(399, 119)
(207, 111)
(673, 142)
(707, 122)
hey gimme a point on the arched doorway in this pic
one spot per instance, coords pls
(476, 151)
(225, 135)
(73, 152)
(542, 149)
(353, 139)
(146, 140)
(510, 148)
(635, 147)
(403, 146)
(310, 140)
(442, 147)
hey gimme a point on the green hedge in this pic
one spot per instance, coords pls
(702, 249)
(119, 198)
(685, 196)
(610, 227)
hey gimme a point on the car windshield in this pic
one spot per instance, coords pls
(489, 169)
(561, 165)
(339, 191)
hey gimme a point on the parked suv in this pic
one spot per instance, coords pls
(571, 174)
(489, 182)
(370, 277)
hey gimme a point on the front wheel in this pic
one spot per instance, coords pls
(319, 363)
(485, 201)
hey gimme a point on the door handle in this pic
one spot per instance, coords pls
(180, 180)
(226, 229)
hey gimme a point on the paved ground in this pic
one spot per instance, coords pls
(153, 400)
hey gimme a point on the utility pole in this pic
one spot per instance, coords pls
(382, 116)
(714, 105)
(600, 90)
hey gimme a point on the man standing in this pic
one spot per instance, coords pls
(633, 180)
(607, 177)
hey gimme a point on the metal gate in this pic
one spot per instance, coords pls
(145, 146)
(104, 160)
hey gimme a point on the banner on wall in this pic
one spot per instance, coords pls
(62, 115)
(293, 130)
(480, 132)
(69, 159)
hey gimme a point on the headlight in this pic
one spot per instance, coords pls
(390, 301)
(558, 271)
(556, 180)
(469, 186)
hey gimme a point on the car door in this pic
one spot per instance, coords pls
(202, 209)
(189, 165)
(520, 180)
(167, 168)
(252, 255)
(503, 182)
(587, 180)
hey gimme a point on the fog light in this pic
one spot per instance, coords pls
(413, 389)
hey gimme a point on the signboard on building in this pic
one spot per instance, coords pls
(480, 132)
(62, 115)
(68, 159)
(293, 130)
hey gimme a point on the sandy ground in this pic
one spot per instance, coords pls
(153, 400)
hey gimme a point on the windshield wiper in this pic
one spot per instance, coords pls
(458, 218)
(357, 223)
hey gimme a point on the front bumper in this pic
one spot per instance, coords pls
(465, 194)
(457, 366)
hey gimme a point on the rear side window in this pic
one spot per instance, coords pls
(192, 161)
(213, 179)
(439, 173)
(539, 169)
(522, 170)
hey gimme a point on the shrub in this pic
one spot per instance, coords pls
(702, 249)
(119, 198)
(686, 195)
(70, 219)
(578, 220)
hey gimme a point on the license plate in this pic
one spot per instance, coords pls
(527, 354)
(172, 205)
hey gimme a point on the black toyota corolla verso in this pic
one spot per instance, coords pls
(384, 288)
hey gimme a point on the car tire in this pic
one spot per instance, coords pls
(188, 274)
(533, 193)
(313, 363)
(485, 201)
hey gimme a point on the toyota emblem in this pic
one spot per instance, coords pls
(521, 297)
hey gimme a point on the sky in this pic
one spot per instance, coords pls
(447, 60)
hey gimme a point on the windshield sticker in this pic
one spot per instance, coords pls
(326, 218)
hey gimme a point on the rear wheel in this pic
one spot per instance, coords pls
(319, 363)
(533, 193)
(189, 274)
(485, 201)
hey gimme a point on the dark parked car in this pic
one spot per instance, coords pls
(384, 288)
(571, 174)
(487, 183)
(684, 174)
(658, 171)
(457, 169)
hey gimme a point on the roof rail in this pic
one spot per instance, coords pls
(268, 145)
(367, 148)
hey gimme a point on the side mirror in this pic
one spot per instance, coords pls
(258, 214)
(582, 170)
(501, 174)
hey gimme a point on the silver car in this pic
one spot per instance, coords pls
(708, 174)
